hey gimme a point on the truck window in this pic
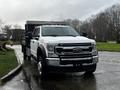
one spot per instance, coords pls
(59, 31)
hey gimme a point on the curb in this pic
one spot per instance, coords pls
(18, 58)
(11, 74)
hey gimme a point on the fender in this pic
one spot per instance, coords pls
(43, 53)
(41, 47)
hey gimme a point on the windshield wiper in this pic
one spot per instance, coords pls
(51, 35)
(61, 35)
(72, 35)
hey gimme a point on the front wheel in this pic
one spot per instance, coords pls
(39, 67)
(42, 69)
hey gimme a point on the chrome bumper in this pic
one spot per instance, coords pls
(56, 61)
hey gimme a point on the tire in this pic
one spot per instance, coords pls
(92, 69)
(42, 69)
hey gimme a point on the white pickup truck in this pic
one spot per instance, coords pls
(60, 49)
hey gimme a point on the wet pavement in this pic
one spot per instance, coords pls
(17, 83)
(106, 77)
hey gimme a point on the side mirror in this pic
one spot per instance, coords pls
(36, 38)
(84, 34)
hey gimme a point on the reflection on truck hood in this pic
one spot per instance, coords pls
(67, 39)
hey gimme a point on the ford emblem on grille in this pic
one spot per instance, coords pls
(77, 50)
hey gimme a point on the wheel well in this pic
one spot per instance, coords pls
(39, 51)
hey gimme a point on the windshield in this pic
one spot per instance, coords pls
(59, 31)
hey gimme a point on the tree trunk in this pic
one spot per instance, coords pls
(118, 37)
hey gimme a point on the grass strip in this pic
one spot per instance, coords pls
(113, 47)
(8, 61)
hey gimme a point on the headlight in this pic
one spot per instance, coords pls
(50, 49)
(93, 47)
(52, 55)
(94, 50)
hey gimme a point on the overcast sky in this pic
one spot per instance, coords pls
(18, 11)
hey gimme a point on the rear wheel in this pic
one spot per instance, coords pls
(91, 69)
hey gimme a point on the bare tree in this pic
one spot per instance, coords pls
(7, 29)
(114, 14)
(16, 26)
(75, 23)
(105, 25)
(1, 23)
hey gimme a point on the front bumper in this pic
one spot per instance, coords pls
(65, 69)
(71, 64)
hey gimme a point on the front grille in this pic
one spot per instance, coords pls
(73, 50)
(74, 53)
(74, 44)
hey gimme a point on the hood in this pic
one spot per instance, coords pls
(67, 39)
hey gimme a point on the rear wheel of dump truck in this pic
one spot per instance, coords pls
(92, 69)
